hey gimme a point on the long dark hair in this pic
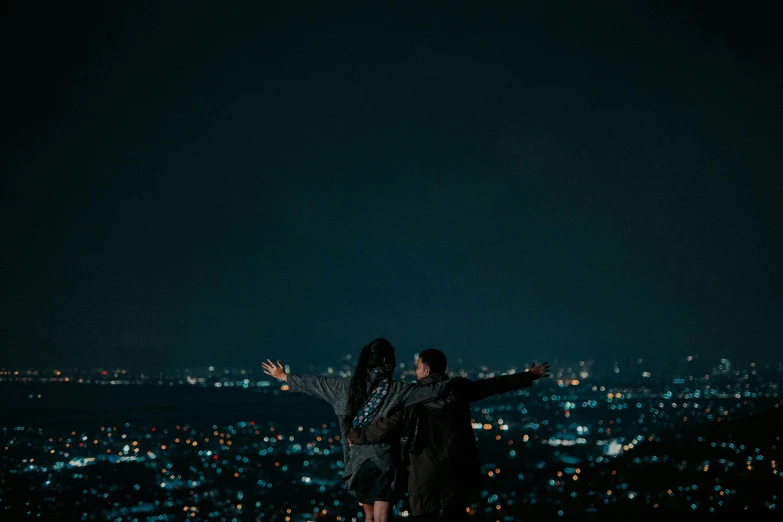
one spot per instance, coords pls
(379, 353)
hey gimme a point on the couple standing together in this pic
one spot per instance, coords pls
(400, 437)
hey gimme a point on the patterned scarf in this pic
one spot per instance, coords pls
(370, 408)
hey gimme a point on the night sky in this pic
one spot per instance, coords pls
(189, 183)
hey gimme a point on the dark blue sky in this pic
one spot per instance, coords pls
(190, 184)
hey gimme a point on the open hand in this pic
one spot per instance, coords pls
(275, 370)
(539, 370)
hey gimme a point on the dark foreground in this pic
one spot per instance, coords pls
(148, 454)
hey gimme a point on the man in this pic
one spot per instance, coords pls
(442, 459)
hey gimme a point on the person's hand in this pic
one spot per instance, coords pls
(275, 370)
(539, 370)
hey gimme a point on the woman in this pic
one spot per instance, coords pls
(369, 474)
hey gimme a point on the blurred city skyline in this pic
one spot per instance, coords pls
(563, 449)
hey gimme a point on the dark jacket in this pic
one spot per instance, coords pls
(443, 468)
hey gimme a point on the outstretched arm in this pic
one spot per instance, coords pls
(331, 389)
(468, 390)
(378, 431)
(411, 394)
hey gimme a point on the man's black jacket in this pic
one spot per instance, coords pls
(443, 463)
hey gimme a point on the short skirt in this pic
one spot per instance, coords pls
(373, 485)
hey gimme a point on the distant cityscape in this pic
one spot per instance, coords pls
(688, 368)
(593, 440)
